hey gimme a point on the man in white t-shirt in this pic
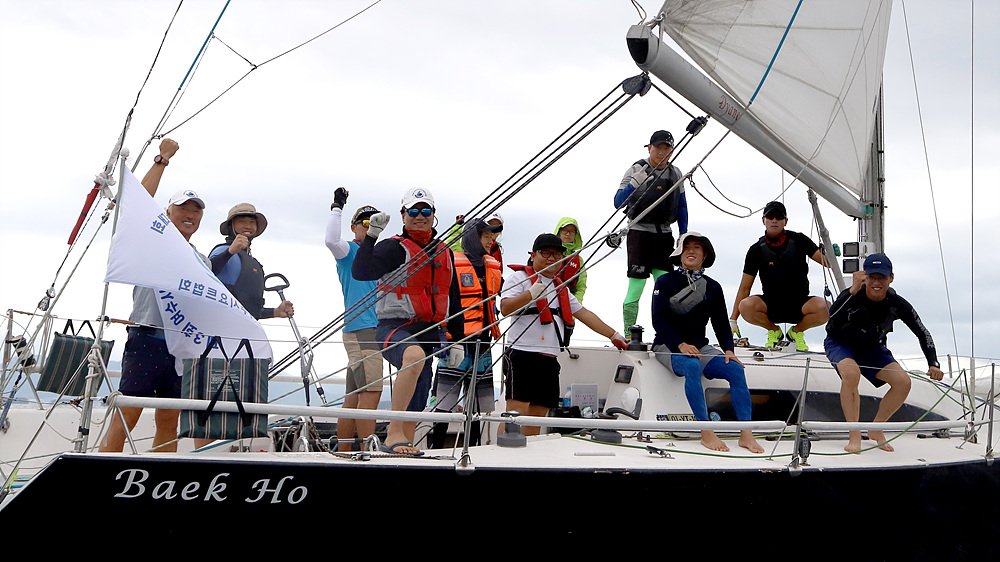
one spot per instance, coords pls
(543, 313)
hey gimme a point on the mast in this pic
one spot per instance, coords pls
(872, 224)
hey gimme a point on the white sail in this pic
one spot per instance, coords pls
(819, 95)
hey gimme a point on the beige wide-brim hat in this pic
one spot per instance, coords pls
(243, 209)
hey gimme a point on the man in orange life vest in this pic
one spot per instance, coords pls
(479, 280)
(418, 290)
(544, 312)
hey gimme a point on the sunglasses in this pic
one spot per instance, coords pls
(426, 211)
(364, 222)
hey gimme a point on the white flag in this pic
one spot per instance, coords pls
(148, 251)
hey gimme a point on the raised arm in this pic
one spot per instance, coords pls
(151, 181)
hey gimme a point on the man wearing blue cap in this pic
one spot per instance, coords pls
(860, 319)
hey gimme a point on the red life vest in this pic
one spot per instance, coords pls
(571, 267)
(541, 307)
(478, 294)
(421, 292)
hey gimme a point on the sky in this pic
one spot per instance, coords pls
(455, 97)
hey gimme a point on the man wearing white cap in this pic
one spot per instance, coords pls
(148, 367)
(418, 290)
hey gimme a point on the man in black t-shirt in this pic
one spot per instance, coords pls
(781, 258)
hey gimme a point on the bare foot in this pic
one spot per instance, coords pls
(711, 441)
(879, 438)
(747, 441)
(854, 444)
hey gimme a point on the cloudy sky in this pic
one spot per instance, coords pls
(455, 97)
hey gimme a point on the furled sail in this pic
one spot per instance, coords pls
(817, 104)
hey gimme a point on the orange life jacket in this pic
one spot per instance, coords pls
(478, 293)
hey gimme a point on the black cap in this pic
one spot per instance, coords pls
(660, 137)
(363, 213)
(547, 240)
(775, 209)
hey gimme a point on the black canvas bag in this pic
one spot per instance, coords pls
(65, 369)
(224, 379)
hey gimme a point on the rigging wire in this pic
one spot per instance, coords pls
(253, 67)
(930, 181)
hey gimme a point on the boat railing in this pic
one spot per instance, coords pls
(532, 421)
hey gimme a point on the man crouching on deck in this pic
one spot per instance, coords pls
(860, 319)
(684, 301)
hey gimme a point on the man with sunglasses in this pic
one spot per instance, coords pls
(781, 257)
(860, 319)
(418, 291)
(364, 371)
(650, 239)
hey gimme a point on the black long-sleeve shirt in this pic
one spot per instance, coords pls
(859, 323)
(673, 329)
(373, 261)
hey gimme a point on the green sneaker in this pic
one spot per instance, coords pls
(800, 340)
(773, 337)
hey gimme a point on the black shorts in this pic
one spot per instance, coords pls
(648, 251)
(148, 368)
(531, 377)
(784, 308)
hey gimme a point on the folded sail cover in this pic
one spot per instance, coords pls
(819, 94)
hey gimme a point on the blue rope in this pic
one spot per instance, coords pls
(203, 45)
(776, 51)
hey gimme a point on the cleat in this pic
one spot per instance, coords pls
(773, 337)
(800, 340)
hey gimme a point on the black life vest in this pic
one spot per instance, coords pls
(249, 286)
(652, 188)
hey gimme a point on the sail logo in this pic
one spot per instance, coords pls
(728, 108)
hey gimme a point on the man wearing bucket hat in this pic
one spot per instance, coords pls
(860, 319)
(418, 291)
(238, 270)
(364, 371)
(650, 239)
(781, 257)
(685, 300)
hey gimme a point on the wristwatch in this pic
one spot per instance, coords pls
(158, 159)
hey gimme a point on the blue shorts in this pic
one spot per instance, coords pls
(148, 368)
(390, 332)
(871, 360)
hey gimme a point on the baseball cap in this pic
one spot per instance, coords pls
(417, 195)
(878, 264)
(547, 240)
(363, 213)
(775, 209)
(182, 197)
(660, 137)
